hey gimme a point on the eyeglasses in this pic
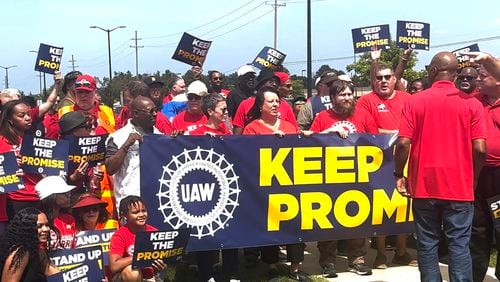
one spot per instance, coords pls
(90, 209)
(193, 97)
(150, 112)
(217, 78)
(386, 77)
(466, 77)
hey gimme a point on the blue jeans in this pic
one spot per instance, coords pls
(455, 219)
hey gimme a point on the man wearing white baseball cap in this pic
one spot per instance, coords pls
(244, 89)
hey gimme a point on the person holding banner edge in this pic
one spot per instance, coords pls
(133, 211)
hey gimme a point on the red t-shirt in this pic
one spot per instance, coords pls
(222, 130)
(65, 224)
(27, 194)
(122, 244)
(240, 118)
(385, 112)
(163, 124)
(441, 122)
(256, 127)
(168, 98)
(188, 122)
(492, 119)
(359, 122)
(123, 117)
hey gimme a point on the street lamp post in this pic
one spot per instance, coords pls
(7, 74)
(108, 31)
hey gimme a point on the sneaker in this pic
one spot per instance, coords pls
(299, 276)
(329, 270)
(360, 269)
(380, 262)
(405, 259)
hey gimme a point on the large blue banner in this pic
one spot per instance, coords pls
(242, 191)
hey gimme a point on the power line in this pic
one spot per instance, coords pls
(202, 25)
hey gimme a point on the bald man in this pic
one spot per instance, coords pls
(122, 148)
(443, 131)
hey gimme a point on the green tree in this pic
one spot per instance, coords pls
(390, 56)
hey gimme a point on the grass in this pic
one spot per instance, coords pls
(493, 258)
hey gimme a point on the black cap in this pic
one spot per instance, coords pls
(150, 80)
(327, 77)
(69, 79)
(265, 75)
(299, 100)
(70, 121)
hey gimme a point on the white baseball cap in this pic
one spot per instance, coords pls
(52, 185)
(197, 87)
(245, 69)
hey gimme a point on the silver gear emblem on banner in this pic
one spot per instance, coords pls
(170, 203)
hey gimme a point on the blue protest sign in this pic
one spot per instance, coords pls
(165, 245)
(48, 156)
(93, 238)
(48, 59)
(275, 191)
(464, 60)
(269, 58)
(370, 38)
(9, 181)
(91, 149)
(191, 50)
(88, 270)
(70, 258)
(415, 35)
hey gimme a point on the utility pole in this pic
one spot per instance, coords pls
(108, 31)
(275, 6)
(309, 51)
(72, 61)
(7, 74)
(136, 53)
(39, 75)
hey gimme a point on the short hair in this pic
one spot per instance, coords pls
(378, 66)
(128, 202)
(137, 88)
(210, 101)
(177, 79)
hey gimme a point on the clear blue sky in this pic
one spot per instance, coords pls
(242, 29)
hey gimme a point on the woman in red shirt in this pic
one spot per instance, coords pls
(264, 119)
(90, 213)
(15, 119)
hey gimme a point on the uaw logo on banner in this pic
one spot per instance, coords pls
(9, 180)
(40, 155)
(464, 60)
(191, 50)
(48, 59)
(269, 58)
(415, 35)
(275, 191)
(368, 38)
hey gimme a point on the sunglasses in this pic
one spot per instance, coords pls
(466, 78)
(217, 78)
(150, 112)
(386, 77)
(90, 209)
(193, 97)
(82, 83)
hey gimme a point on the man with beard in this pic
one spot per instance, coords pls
(155, 94)
(343, 118)
(122, 148)
(244, 89)
(467, 80)
(484, 232)
(385, 105)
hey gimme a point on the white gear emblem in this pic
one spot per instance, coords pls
(346, 125)
(172, 197)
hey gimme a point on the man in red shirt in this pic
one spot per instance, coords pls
(385, 105)
(444, 127)
(192, 117)
(467, 80)
(489, 179)
(343, 118)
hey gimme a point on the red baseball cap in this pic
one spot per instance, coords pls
(85, 82)
(88, 199)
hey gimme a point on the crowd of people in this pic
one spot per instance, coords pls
(448, 126)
